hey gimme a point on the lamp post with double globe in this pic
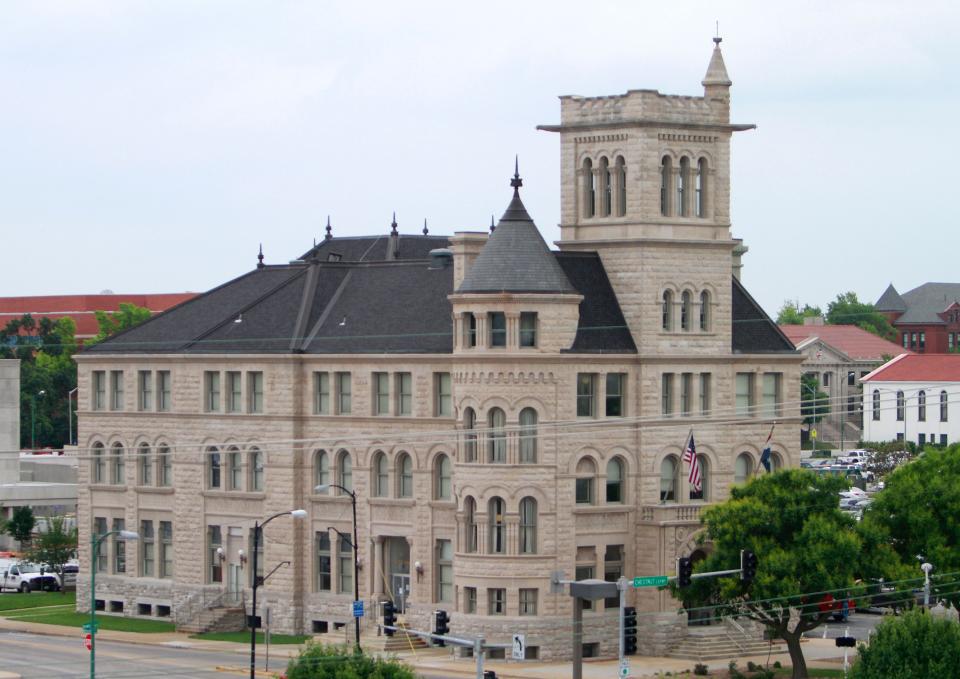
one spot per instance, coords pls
(323, 488)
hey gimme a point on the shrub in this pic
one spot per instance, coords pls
(700, 669)
(911, 645)
(318, 661)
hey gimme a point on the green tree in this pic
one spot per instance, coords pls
(317, 661)
(814, 404)
(20, 526)
(846, 309)
(54, 546)
(791, 313)
(914, 644)
(805, 547)
(110, 323)
(918, 512)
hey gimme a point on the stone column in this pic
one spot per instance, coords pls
(378, 565)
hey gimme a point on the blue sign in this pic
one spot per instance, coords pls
(358, 609)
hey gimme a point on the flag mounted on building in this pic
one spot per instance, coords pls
(690, 457)
(766, 453)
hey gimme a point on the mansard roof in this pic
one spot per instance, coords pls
(891, 300)
(753, 331)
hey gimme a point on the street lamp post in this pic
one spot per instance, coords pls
(323, 488)
(813, 414)
(70, 414)
(926, 568)
(33, 419)
(257, 533)
(95, 543)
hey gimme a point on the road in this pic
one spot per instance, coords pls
(858, 626)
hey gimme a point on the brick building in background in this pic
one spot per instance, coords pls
(927, 318)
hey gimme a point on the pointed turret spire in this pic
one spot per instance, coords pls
(329, 235)
(425, 229)
(260, 257)
(393, 224)
(717, 70)
(516, 182)
(493, 226)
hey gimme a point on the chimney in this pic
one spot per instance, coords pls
(465, 245)
(739, 250)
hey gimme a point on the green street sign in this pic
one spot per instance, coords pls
(89, 629)
(651, 581)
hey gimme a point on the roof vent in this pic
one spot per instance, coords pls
(441, 258)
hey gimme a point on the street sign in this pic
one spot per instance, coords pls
(88, 628)
(87, 641)
(358, 609)
(519, 647)
(813, 434)
(624, 669)
(651, 581)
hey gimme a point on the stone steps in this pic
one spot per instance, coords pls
(220, 619)
(721, 645)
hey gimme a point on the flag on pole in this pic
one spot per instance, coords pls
(690, 457)
(765, 453)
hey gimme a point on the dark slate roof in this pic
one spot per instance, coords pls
(376, 248)
(891, 300)
(602, 328)
(925, 302)
(516, 258)
(753, 331)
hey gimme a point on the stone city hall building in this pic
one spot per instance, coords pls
(502, 411)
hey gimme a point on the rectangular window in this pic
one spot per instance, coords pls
(234, 470)
(666, 394)
(324, 563)
(119, 548)
(165, 464)
(443, 394)
(344, 393)
(906, 340)
(98, 394)
(586, 394)
(214, 549)
(100, 529)
(949, 341)
(234, 392)
(913, 340)
(771, 394)
(321, 393)
(144, 390)
(943, 439)
(528, 601)
(345, 553)
(470, 330)
(444, 570)
(116, 390)
(211, 390)
(496, 601)
(470, 599)
(744, 393)
(528, 329)
(612, 570)
(705, 393)
(163, 390)
(921, 439)
(614, 400)
(923, 341)
(851, 379)
(381, 394)
(166, 549)
(146, 549)
(255, 392)
(403, 385)
(686, 387)
(498, 328)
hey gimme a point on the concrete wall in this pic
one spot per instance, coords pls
(9, 420)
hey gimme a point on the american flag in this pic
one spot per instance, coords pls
(690, 457)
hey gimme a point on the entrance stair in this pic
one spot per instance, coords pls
(721, 642)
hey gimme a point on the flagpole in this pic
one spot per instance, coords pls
(680, 466)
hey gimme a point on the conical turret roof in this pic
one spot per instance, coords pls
(516, 258)
(717, 70)
(891, 300)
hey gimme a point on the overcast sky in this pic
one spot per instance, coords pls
(151, 146)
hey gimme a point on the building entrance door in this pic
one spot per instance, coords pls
(234, 580)
(397, 561)
(401, 590)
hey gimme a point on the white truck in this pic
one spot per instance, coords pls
(21, 576)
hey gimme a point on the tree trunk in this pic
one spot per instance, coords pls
(796, 653)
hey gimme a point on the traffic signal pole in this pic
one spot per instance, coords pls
(622, 586)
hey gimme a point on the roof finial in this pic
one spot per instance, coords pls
(393, 224)
(492, 227)
(516, 182)
(260, 257)
(329, 235)
(425, 229)
(716, 38)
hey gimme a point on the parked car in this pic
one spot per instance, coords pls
(27, 577)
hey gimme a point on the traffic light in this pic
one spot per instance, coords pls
(441, 625)
(748, 565)
(684, 571)
(629, 630)
(851, 642)
(389, 617)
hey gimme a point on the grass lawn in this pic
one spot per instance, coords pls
(244, 637)
(111, 622)
(9, 602)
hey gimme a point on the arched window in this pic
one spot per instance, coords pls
(943, 406)
(922, 406)
(586, 472)
(685, 310)
(98, 471)
(621, 179)
(470, 524)
(704, 311)
(444, 475)
(528, 526)
(495, 518)
(901, 406)
(704, 492)
(405, 475)
(666, 172)
(381, 475)
(345, 470)
(667, 322)
(321, 468)
(528, 435)
(701, 206)
(118, 473)
(615, 481)
(164, 466)
(776, 462)
(470, 436)
(496, 437)
(876, 405)
(669, 479)
(683, 179)
(606, 187)
(234, 469)
(213, 468)
(145, 475)
(743, 468)
(589, 189)
(255, 463)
